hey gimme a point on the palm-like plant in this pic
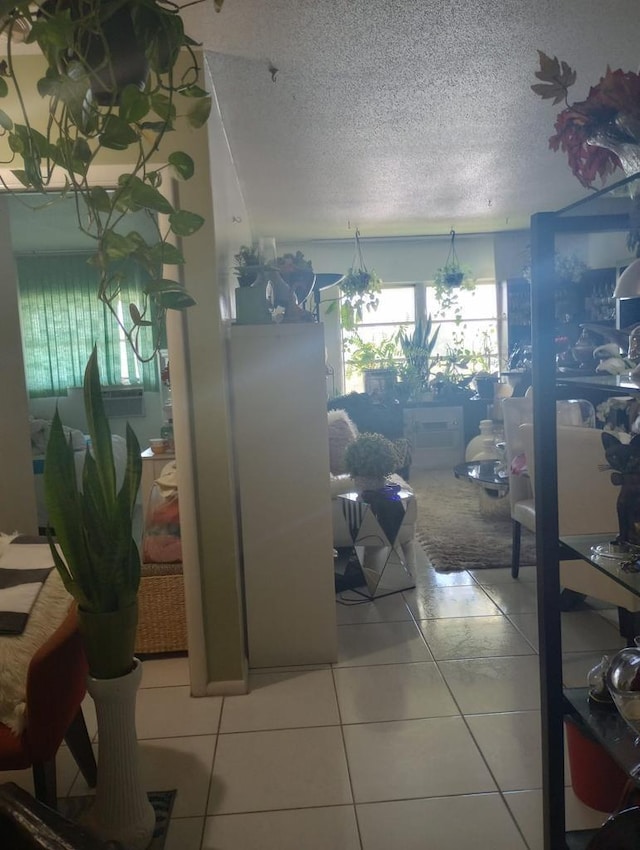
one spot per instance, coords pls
(93, 524)
(417, 349)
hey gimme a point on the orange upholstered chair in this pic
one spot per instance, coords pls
(56, 685)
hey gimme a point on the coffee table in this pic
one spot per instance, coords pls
(489, 474)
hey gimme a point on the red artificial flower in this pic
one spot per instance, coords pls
(611, 111)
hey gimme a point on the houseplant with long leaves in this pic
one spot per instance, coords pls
(85, 103)
(93, 526)
(98, 560)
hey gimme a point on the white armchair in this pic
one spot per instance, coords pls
(515, 412)
(586, 505)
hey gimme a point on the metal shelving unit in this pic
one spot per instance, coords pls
(596, 214)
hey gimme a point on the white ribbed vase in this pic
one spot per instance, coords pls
(121, 811)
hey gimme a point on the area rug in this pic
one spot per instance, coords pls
(73, 808)
(455, 533)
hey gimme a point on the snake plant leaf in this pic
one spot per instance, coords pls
(4, 88)
(63, 503)
(98, 425)
(93, 523)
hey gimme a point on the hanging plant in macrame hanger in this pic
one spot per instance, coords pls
(449, 279)
(359, 288)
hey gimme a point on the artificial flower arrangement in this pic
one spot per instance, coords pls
(610, 113)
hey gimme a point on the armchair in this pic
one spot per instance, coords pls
(586, 504)
(55, 689)
(515, 412)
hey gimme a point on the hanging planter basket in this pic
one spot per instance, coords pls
(451, 274)
(360, 288)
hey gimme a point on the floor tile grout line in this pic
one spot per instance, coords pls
(211, 774)
(346, 759)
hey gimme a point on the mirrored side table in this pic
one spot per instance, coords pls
(375, 519)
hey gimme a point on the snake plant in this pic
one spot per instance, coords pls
(93, 525)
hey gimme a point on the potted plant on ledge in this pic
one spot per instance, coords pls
(99, 563)
(369, 459)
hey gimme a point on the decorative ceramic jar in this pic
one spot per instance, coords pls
(476, 444)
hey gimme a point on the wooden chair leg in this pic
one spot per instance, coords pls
(78, 741)
(516, 529)
(45, 783)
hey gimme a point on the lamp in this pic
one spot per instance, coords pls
(628, 285)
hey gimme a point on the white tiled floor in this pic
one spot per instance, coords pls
(425, 734)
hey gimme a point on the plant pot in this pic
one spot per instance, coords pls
(121, 811)
(252, 307)
(453, 278)
(369, 482)
(128, 65)
(109, 640)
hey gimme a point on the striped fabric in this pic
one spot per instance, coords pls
(22, 574)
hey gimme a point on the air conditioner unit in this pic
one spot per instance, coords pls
(123, 402)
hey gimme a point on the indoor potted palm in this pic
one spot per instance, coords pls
(86, 103)
(417, 349)
(99, 563)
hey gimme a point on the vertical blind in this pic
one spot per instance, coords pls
(61, 320)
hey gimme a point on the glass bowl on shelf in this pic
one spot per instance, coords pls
(623, 682)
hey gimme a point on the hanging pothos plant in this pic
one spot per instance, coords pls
(449, 280)
(359, 289)
(113, 80)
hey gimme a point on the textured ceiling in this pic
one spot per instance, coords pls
(401, 118)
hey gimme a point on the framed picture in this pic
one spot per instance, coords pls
(380, 382)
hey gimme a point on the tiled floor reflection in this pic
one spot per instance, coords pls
(425, 734)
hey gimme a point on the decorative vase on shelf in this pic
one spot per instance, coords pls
(252, 306)
(369, 482)
(476, 444)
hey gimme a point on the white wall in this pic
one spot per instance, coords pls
(17, 493)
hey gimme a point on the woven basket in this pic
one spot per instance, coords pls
(162, 625)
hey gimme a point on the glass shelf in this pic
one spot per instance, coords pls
(609, 729)
(581, 545)
(615, 383)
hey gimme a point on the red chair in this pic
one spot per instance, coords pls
(56, 685)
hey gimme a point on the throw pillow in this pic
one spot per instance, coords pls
(342, 431)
